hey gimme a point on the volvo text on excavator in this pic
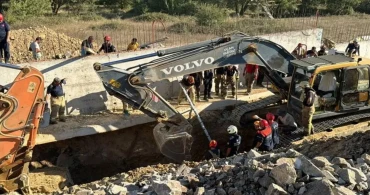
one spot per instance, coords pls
(344, 101)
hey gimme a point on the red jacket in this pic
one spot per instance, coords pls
(251, 68)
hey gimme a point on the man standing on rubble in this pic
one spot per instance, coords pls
(308, 97)
(250, 74)
(207, 82)
(55, 95)
(107, 46)
(35, 48)
(198, 78)
(4, 39)
(234, 141)
(220, 79)
(188, 83)
(232, 75)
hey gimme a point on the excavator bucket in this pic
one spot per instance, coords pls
(173, 133)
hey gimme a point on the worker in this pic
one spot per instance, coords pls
(312, 52)
(308, 107)
(188, 83)
(35, 48)
(299, 52)
(55, 95)
(198, 78)
(87, 46)
(353, 48)
(207, 82)
(107, 46)
(3, 89)
(220, 79)
(133, 46)
(213, 152)
(234, 141)
(322, 51)
(274, 127)
(250, 74)
(4, 39)
(287, 122)
(263, 140)
(232, 74)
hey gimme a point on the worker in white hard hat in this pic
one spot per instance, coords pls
(234, 141)
(308, 97)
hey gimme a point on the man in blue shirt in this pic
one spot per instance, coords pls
(4, 39)
(234, 141)
(55, 95)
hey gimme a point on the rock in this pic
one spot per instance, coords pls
(291, 188)
(182, 170)
(302, 190)
(259, 173)
(319, 187)
(222, 176)
(85, 192)
(275, 190)
(341, 181)
(305, 178)
(308, 167)
(221, 191)
(362, 186)
(298, 185)
(252, 154)
(265, 181)
(321, 161)
(352, 175)
(284, 174)
(171, 187)
(116, 189)
(366, 158)
(238, 159)
(210, 192)
(289, 161)
(341, 162)
(36, 165)
(329, 176)
(291, 153)
(341, 190)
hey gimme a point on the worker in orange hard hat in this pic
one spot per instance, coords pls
(188, 83)
(4, 39)
(107, 46)
(213, 152)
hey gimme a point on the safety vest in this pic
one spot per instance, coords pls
(268, 142)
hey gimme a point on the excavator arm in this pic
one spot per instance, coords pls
(21, 109)
(173, 133)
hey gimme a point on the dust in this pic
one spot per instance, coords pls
(49, 179)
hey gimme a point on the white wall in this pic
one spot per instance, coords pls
(85, 93)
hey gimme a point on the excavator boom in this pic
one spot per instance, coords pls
(173, 133)
(20, 113)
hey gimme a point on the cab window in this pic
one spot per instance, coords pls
(356, 79)
(299, 76)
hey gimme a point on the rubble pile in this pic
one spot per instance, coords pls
(281, 173)
(55, 45)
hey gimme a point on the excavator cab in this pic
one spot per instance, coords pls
(341, 84)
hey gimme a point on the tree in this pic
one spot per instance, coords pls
(19, 9)
(57, 4)
(342, 7)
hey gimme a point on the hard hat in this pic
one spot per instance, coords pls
(304, 84)
(191, 79)
(212, 143)
(232, 129)
(57, 79)
(270, 116)
(107, 38)
(1, 17)
(256, 124)
(264, 124)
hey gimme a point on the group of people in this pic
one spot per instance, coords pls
(106, 47)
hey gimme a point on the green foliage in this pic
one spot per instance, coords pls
(364, 7)
(21, 9)
(188, 8)
(342, 7)
(140, 7)
(210, 15)
(79, 7)
(286, 7)
(154, 16)
(113, 25)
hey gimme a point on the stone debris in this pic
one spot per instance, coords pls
(250, 173)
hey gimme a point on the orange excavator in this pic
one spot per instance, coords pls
(21, 109)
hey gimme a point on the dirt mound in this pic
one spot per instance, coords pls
(54, 44)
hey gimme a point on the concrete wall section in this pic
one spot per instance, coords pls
(85, 93)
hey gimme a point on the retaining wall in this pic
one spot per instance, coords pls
(85, 93)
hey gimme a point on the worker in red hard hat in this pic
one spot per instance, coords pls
(263, 140)
(213, 152)
(107, 46)
(4, 39)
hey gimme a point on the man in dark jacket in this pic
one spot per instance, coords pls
(198, 77)
(207, 82)
(234, 141)
(308, 98)
(107, 46)
(4, 39)
(353, 48)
